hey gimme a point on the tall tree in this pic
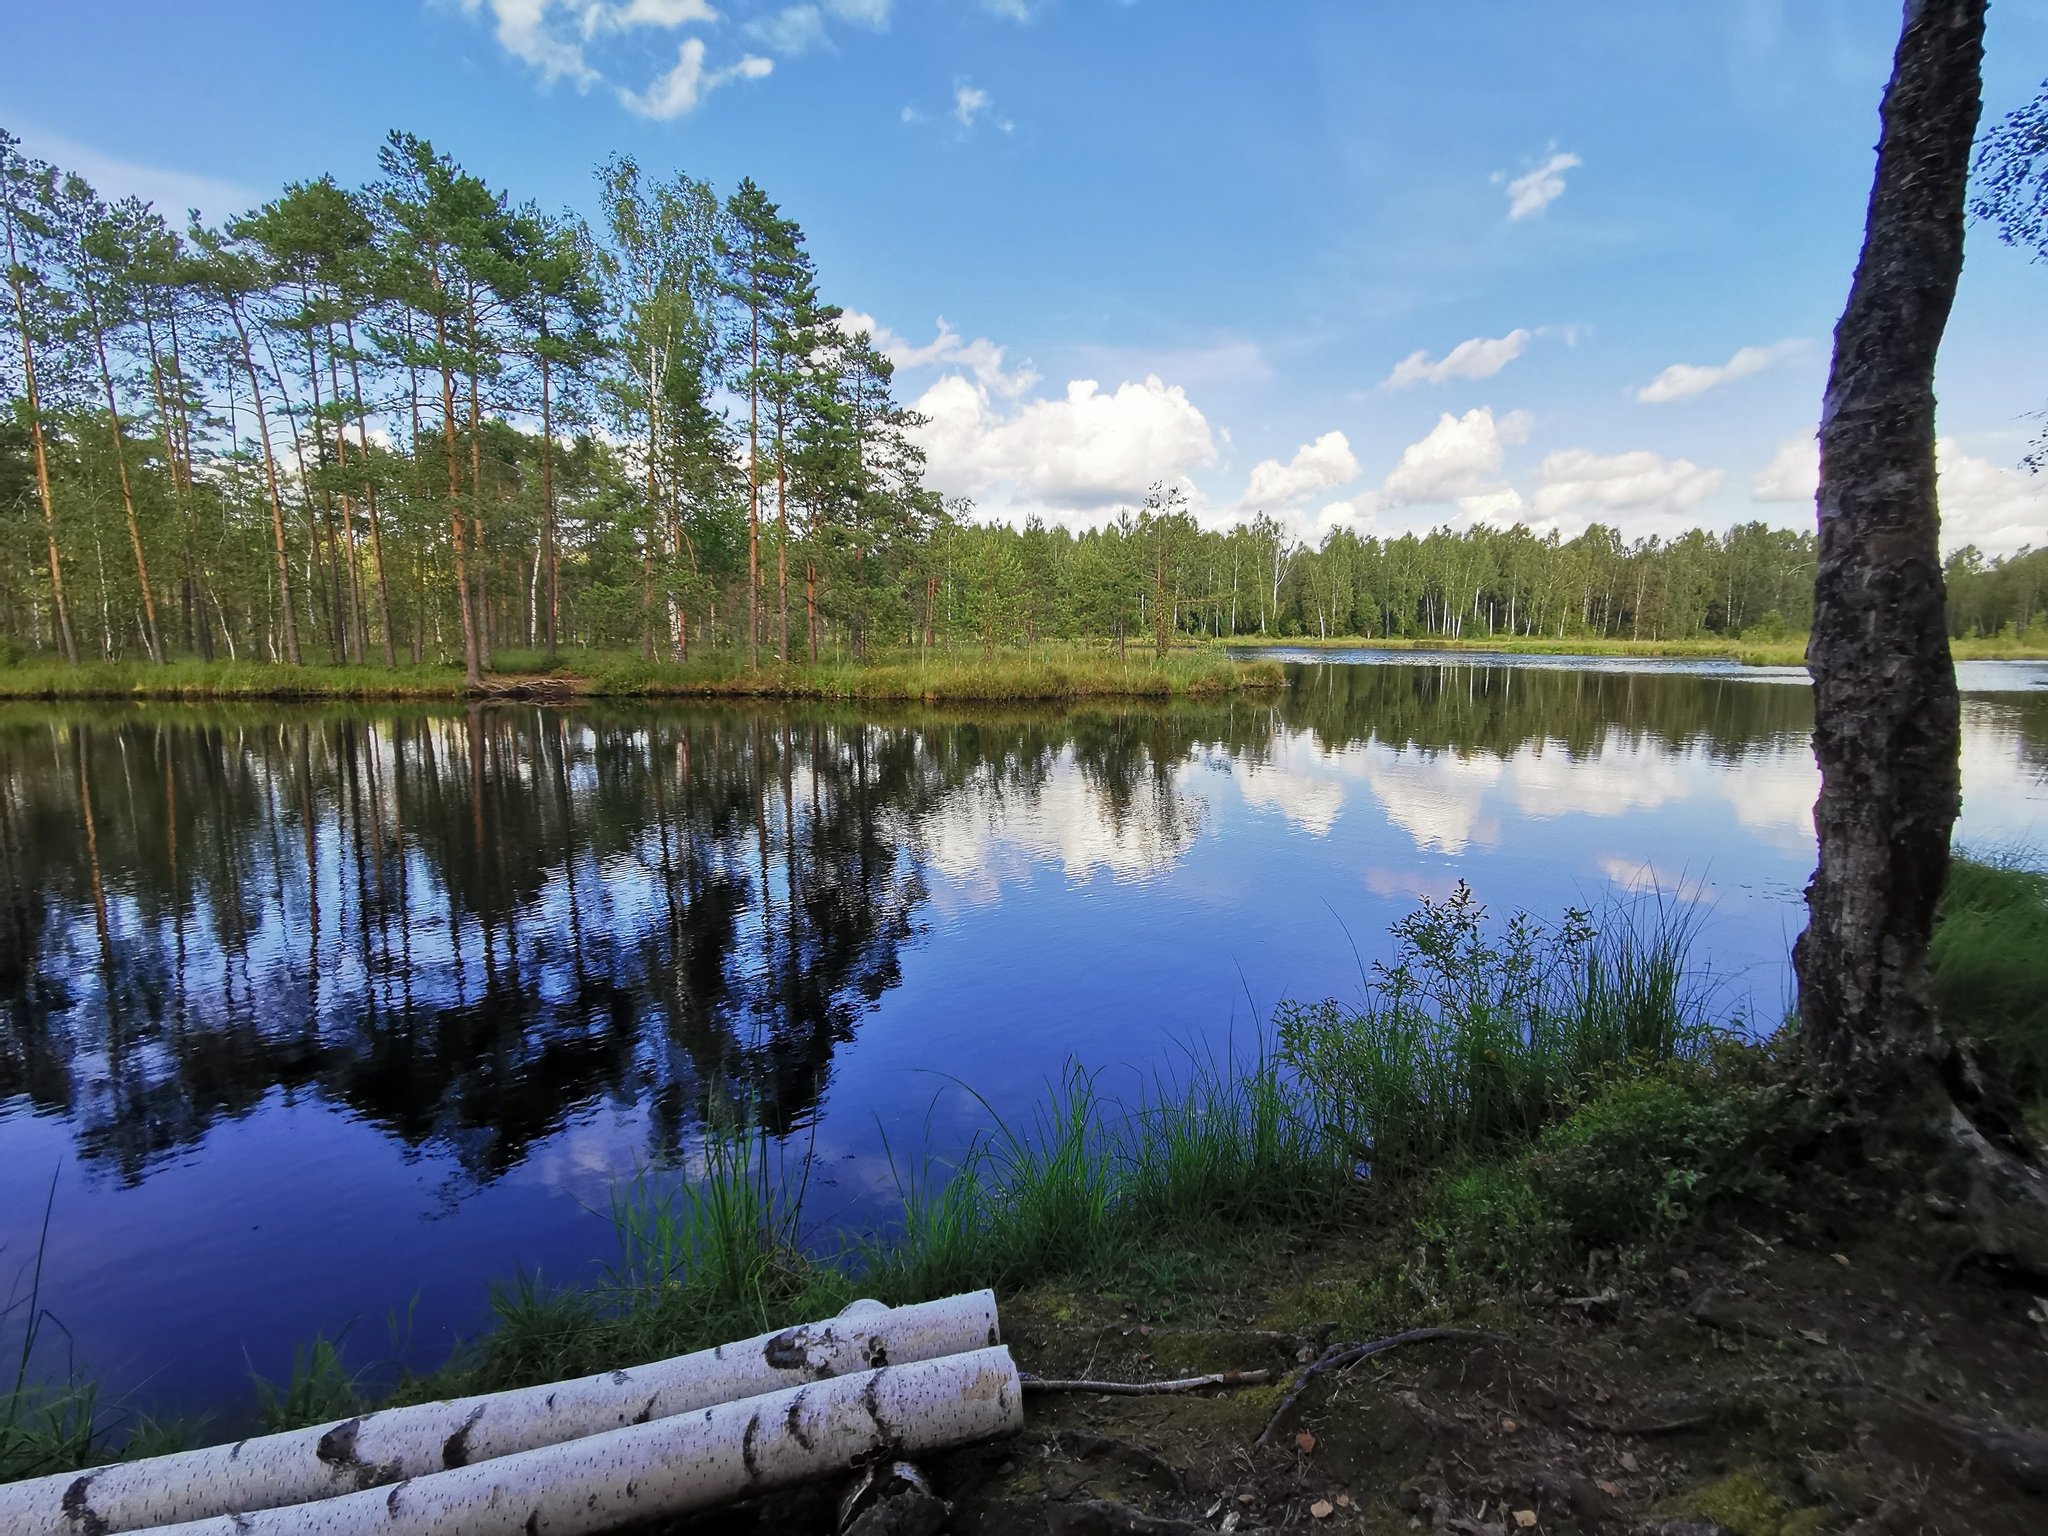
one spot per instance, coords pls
(1886, 715)
(431, 208)
(28, 205)
(561, 306)
(232, 274)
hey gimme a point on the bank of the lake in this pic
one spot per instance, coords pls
(1749, 651)
(1673, 1280)
(1048, 673)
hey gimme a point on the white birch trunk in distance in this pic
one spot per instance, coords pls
(379, 1448)
(673, 1466)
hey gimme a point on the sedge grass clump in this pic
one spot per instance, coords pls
(1090, 1185)
(1472, 1039)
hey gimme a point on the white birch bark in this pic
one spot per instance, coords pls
(673, 1466)
(376, 1449)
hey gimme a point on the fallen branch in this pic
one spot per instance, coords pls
(1149, 1388)
(1337, 1356)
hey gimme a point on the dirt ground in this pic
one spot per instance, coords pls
(1745, 1385)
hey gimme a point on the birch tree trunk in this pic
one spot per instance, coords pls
(1886, 715)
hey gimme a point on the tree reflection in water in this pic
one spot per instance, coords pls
(467, 927)
(464, 926)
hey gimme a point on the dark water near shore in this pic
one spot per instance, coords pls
(314, 1014)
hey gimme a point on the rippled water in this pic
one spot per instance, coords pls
(316, 1014)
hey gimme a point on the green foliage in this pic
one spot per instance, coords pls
(1468, 1039)
(1648, 1156)
(1988, 966)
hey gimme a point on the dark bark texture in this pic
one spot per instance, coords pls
(1886, 715)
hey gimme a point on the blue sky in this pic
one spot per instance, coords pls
(1235, 245)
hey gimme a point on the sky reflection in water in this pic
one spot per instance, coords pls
(534, 953)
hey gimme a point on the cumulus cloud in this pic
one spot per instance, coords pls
(1640, 482)
(1681, 381)
(524, 31)
(1541, 187)
(1995, 507)
(553, 36)
(1793, 473)
(1988, 505)
(866, 13)
(679, 91)
(1318, 466)
(1459, 461)
(1085, 453)
(981, 357)
(1480, 358)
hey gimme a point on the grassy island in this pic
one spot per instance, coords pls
(1046, 673)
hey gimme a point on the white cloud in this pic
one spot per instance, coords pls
(1994, 507)
(664, 14)
(792, 30)
(1015, 10)
(1681, 381)
(1480, 358)
(1988, 505)
(523, 31)
(981, 357)
(172, 193)
(551, 35)
(1459, 461)
(1793, 473)
(680, 90)
(1086, 453)
(1318, 466)
(1541, 187)
(1355, 513)
(866, 13)
(1642, 481)
(970, 103)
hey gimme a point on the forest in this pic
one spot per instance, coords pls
(419, 421)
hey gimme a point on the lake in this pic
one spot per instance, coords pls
(314, 1017)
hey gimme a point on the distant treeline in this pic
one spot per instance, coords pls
(419, 421)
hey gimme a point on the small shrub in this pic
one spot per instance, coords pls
(1648, 1156)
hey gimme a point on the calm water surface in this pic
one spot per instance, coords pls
(314, 1015)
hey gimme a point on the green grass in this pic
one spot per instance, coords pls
(1988, 965)
(1471, 1037)
(1041, 673)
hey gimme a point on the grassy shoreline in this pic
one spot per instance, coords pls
(1051, 674)
(1788, 652)
(1547, 1131)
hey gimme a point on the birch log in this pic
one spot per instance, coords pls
(380, 1448)
(673, 1466)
